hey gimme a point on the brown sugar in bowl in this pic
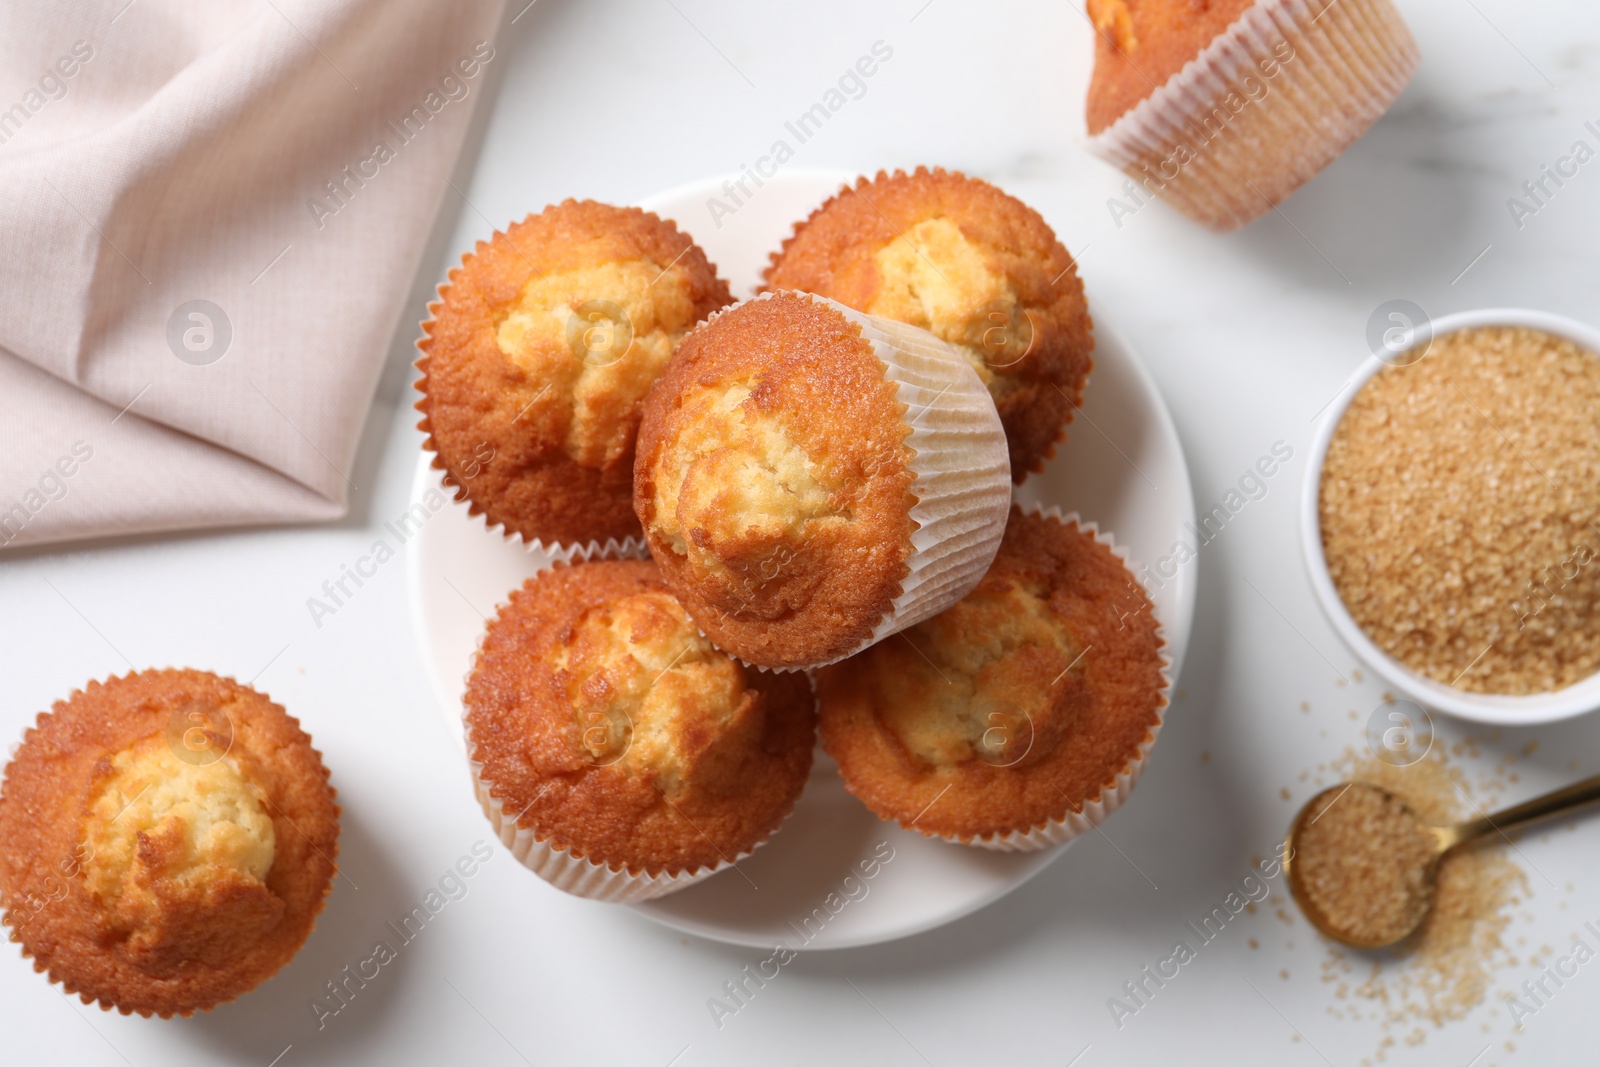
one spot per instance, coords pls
(1471, 426)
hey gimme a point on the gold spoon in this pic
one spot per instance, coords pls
(1422, 870)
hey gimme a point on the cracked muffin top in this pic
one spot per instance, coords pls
(168, 841)
(542, 347)
(977, 268)
(1021, 703)
(774, 484)
(600, 713)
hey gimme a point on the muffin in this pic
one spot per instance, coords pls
(616, 752)
(811, 479)
(542, 347)
(166, 841)
(979, 269)
(1226, 107)
(1019, 718)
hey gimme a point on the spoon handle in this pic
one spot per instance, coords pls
(1548, 806)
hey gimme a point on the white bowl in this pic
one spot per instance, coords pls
(1530, 710)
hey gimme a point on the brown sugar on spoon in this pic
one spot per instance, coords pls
(1446, 969)
(1363, 861)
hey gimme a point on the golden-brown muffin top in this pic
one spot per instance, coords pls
(773, 482)
(1142, 43)
(602, 715)
(974, 266)
(168, 840)
(541, 350)
(171, 838)
(1019, 704)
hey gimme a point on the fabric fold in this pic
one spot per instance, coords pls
(211, 215)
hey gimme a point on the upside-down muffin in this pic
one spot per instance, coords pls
(166, 841)
(811, 479)
(1020, 717)
(616, 752)
(542, 347)
(1226, 107)
(976, 267)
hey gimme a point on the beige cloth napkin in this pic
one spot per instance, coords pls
(211, 213)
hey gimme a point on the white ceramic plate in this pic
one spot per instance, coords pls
(1121, 466)
(1577, 699)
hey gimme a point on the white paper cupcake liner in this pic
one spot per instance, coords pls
(575, 874)
(1077, 823)
(555, 551)
(1351, 59)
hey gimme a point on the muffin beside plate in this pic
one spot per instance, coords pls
(166, 841)
(1224, 108)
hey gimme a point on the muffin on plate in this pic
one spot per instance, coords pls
(540, 351)
(1226, 107)
(166, 841)
(616, 752)
(811, 479)
(979, 269)
(1017, 719)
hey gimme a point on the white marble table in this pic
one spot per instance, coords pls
(1249, 336)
